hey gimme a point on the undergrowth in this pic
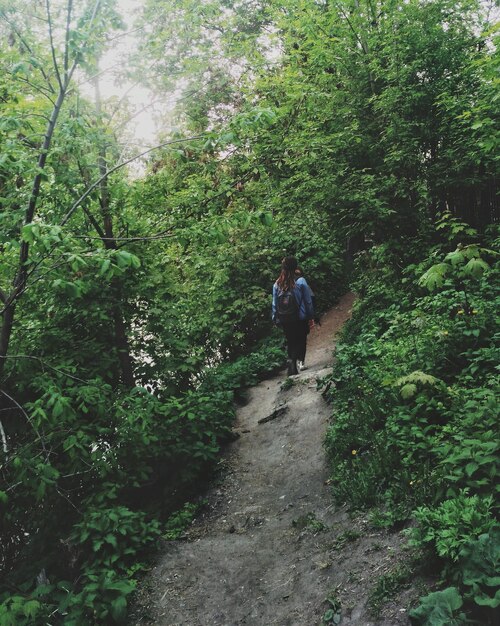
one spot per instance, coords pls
(164, 451)
(414, 432)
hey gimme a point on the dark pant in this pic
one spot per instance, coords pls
(296, 338)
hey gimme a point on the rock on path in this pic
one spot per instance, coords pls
(272, 546)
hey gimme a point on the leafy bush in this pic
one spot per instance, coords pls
(452, 524)
(414, 389)
(440, 608)
(133, 446)
(478, 571)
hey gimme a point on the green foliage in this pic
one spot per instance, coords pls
(102, 599)
(409, 383)
(388, 585)
(466, 261)
(332, 615)
(414, 428)
(479, 567)
(310, 522)
(17, 610)
(440, 608)
(145, 444)
(473, 463)
(180, 520)
(136, 312)
(452, 524)
(346, 537)
(478, 576)
(287, 384)
(112, 537)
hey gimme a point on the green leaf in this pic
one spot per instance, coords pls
(438, 609)
(20, 68)
(418, 377)
(126, 259)
(111, 539)
(456, 257)
(29, 232)
(434, 277)
(104, 267)
(31, 608)
(475, 267)
(408, 391)
(97, 544)
(267, 219)
(328, 616)
(470, 468)
(119, 608)
(480, 564)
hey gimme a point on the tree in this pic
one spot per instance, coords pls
(76, 42)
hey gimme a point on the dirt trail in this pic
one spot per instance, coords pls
(271, 546)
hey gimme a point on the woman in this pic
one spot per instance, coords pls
(293, 311)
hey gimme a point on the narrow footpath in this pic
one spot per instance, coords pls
(270, 546)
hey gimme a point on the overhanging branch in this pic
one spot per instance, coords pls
(119, 166)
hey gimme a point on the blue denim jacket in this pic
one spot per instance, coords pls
(302, 293)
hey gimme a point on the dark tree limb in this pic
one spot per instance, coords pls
(66, 40)
(52, 47)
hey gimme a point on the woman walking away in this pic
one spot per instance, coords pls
(293, 311)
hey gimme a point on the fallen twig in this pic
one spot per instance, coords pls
(276, 413)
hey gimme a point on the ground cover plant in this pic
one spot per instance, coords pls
(414, 433)
(155, 453)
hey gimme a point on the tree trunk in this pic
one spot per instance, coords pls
(19, 282)
(121, 339)
(5, 333)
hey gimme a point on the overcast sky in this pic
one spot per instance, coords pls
(143, 127)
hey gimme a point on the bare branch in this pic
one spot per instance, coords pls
(40, 277)
(127, 91)
(119, 166)
(91, 469)
(90, 79)
(66, 40)
(128, 32)
(85, 209)
(63, 495)
(69, 73)
(16, 295)
(135, 114)
(45, 364)
(95, 224)
(37, 88)
(28, 418)
(28, 48)
(45, 118)
(4, 440)
(52, 47)
(161, 235)
(351, 27)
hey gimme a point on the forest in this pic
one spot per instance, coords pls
(360, 136)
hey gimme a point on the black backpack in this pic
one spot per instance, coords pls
(288, 307)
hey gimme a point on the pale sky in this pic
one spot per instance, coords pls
(143, 127)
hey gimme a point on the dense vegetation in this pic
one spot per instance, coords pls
(134, 312)
(414, 435)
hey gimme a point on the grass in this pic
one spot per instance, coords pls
(389, 584)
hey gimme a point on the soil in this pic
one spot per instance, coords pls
(270, 545)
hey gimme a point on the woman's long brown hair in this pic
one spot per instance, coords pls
(286, 280)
